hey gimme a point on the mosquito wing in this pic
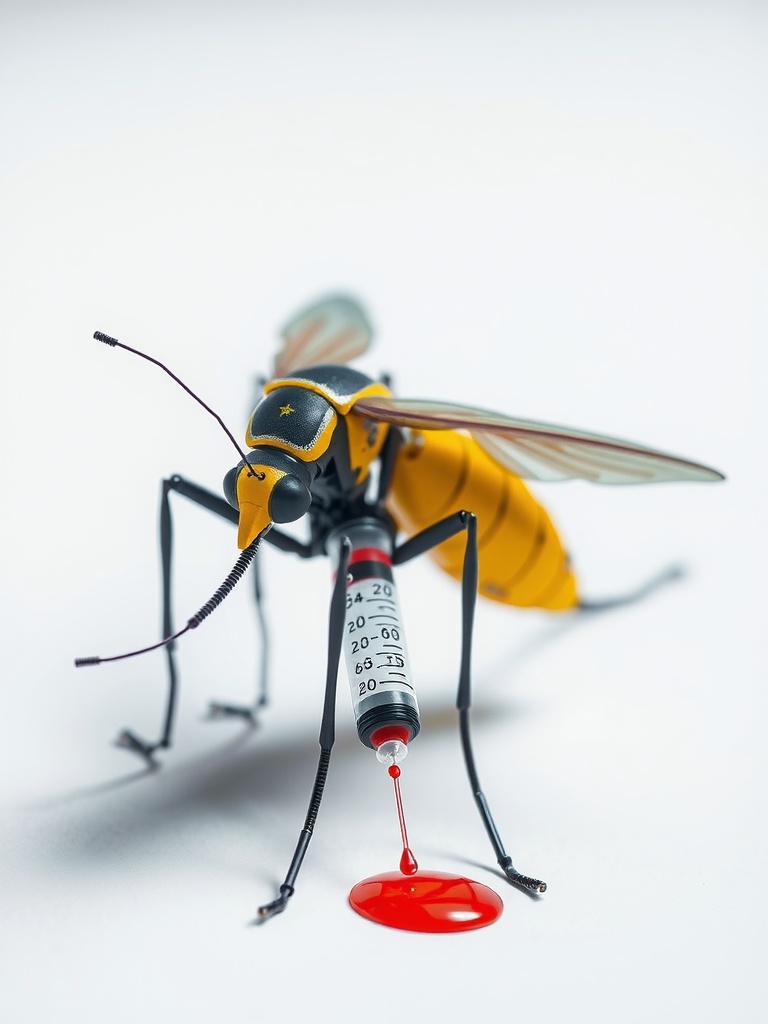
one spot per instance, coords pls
(332, 331)
(540, 451)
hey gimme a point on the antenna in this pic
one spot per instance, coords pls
(235, 575)
(114, 343)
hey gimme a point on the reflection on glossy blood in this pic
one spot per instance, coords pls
(421, 901)
(426, 902)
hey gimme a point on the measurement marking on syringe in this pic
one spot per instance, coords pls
(375, 648)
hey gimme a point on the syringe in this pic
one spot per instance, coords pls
(380, 681)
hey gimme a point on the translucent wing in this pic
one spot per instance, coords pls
(540, 451)
(332, 331)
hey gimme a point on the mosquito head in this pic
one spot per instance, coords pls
(272, 487)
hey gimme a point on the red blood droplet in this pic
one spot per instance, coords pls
(426, 902)
(408, 864)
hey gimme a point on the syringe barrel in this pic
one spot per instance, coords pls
(378, 667)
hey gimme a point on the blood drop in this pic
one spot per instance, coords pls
(426, 902)
(408, 864)
(421, 901)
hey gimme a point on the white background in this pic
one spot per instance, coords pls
(555, 210)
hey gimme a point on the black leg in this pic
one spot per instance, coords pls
(669, 575)
(327, 736)
(127, 738)
(392, 446)
(249, 713)
(262, 697)
(206, 499)
(422, 542)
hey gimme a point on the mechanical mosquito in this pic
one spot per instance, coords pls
(382, 480)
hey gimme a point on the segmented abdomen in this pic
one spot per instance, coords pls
(522, 561)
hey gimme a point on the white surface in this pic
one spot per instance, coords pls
(554, 210)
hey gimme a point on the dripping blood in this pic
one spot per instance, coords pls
(408, 863)
(421, 901)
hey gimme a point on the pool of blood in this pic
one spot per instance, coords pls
(423, 901)
(429, 901)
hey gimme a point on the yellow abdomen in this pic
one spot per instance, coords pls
(522, 561)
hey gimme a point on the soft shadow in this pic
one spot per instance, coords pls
(150, 769)
(265, 778)
(88, 792)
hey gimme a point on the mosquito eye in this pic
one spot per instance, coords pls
(229, 486)
(289, 500)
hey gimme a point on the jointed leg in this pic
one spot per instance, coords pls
(669, 575)
(206, 499)
(127, 738)
(327, 735)
(219, 710)
(422, 542)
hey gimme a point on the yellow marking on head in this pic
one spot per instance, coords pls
(253, 491)
(286, 410)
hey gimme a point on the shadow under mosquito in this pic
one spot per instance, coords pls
(261, 782)
(150, 769)
(269, 778)
(88, 792)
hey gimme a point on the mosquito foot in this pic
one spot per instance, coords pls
(534, 885)
(268, 910)
(130, 741)
(216, 710)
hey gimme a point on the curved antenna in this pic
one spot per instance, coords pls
(234, 576)
(114, 343)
